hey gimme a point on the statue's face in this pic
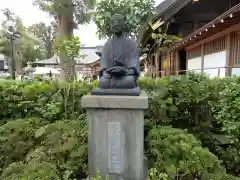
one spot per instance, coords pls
(117, 23)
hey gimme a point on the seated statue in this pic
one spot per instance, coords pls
(119, 64)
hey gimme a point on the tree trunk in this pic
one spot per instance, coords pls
(10, 65)
(13, 67)
(65, 29)
(49, 46)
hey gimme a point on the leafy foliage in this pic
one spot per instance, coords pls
(68, 14)
(48, 100)
(26, 48)
(187, 102)
(227, 111)
(78, 8)
(38, 171)
(163, 41)
(227, 114)
(186, 128)
(154, 174)
(65, 145)
(46, 34)
(136, 13)
(59, 149)
(180, 155)
(68, 46)
(16, 139)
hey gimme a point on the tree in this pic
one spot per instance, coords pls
(68, 14)
(46, 34)
(137, 13)
(26, 48)
(68, 47)
(5, 46)
(10, 16)
(163, 41)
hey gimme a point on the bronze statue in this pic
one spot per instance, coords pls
(119, 65)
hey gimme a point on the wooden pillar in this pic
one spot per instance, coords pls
(228, 55)
(153, 63)
(163, 65)
(177, 62)
(145, 66)
(150, 66)
(202, 58)
(172, 63)
(168, 64)
(157, 64)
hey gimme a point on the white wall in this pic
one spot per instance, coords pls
(2, 57)
(236, 71)
(194, 63)
(215, 61)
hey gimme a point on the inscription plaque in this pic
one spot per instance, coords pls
(114, 147)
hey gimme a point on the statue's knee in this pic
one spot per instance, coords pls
(129, 82)
(130, 79)
(103, 83)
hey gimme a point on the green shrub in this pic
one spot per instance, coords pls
(207, 108)
(154, 174)
(36, 171)
(181, 101)
(17, 139)
(227, 114)
(64, 144)
(191, 102)
(211, 176)
(179, 154)
(48, 100)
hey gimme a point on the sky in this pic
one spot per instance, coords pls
(31, 15)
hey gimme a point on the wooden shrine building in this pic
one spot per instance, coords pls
(210, 38)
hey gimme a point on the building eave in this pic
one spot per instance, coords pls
(225, 20)
(171, 10)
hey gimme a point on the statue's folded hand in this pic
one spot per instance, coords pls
(106, 75)
(130, 72)
(117, 71)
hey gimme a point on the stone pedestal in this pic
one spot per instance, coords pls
(116, 136)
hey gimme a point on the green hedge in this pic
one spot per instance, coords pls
(48, 100)
(191, 129)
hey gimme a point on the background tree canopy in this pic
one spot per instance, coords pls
(78, 9)
(68, 14)
(26, 48)
(46, 33)
(137, 13)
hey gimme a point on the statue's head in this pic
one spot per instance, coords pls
(117, 24)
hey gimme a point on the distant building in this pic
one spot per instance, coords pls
(85, 66)
(3, 63)
(210, 32)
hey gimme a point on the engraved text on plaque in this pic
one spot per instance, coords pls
(114, 147)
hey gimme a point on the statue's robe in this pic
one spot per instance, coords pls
(120, 51)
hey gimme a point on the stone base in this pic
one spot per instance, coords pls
(120, 92)
(116, 136)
